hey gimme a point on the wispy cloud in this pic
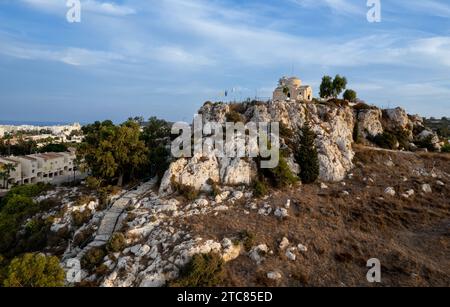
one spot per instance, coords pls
(144, 48)
(438, 8)
(346, 7)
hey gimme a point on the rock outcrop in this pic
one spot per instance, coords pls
(332, 125)
(369, 122)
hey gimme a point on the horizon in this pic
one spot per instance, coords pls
(129, 58)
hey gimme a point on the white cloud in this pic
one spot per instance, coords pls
(429, 7)
(71, 56)
(345, 7)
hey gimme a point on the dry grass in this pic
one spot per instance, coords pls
(411, 237)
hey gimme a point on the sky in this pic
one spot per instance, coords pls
(166, 58)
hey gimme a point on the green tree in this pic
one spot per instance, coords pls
(332, 88)
(8, 169)
(51, 147)
(326, 87)
(112, 152)
(157, 136)
(34, 270)
(307, 156)
(350, 95)
(339, 85)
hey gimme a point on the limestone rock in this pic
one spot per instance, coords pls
(302, 248)
(290, 254)
(397, 119)
(369, 122)
(426, 188)
(284, 243)
(230, 250)
(390, 191)
(281, 213)
(274, 275)
(257, 253)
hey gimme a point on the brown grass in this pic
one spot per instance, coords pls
(411, 237)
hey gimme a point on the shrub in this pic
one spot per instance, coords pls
(83, 200)
(82, 236)
(248, 239)
(234, 117)
(281, 175)
(350, 95)
(446, 148)
(204, 270)
(34, 270)
(81, 217)
(307, 156)
(402, 137)
(426, 143)
(237, 107)
(188, 192)
(385, 140)
(116, 243)
(362, 106)
(93, 258)
(93, 183)
(260, 188)
(215, 190)
(31, 190)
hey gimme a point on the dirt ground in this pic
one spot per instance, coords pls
(411, 237)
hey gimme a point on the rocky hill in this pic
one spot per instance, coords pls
(369, 202)
(337, 126)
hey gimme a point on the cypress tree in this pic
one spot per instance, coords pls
(307, 156)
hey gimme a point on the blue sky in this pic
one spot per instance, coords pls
(165, 58)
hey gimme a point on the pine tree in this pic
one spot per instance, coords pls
(307, 156)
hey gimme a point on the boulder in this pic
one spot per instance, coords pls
(281, 213)
(302, 248)
(290, 254)
(426, 188)
(257, 253)
(369, 122)
(397, 119)
(284, 243)
(390, 191)
(230, 250)
(274, 275)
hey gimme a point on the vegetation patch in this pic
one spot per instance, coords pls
(81, 217)
(234, 117)
(117, 243)
(188, 192)
(204, 270)
(385, 140)
(93, 258)
(260, 188)
(34, 270)
(307, 156)
(247, 238)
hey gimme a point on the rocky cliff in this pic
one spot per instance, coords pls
(334, 125)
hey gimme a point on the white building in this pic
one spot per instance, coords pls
(292, 89)
(44, 167)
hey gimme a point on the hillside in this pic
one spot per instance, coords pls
(234, 224)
